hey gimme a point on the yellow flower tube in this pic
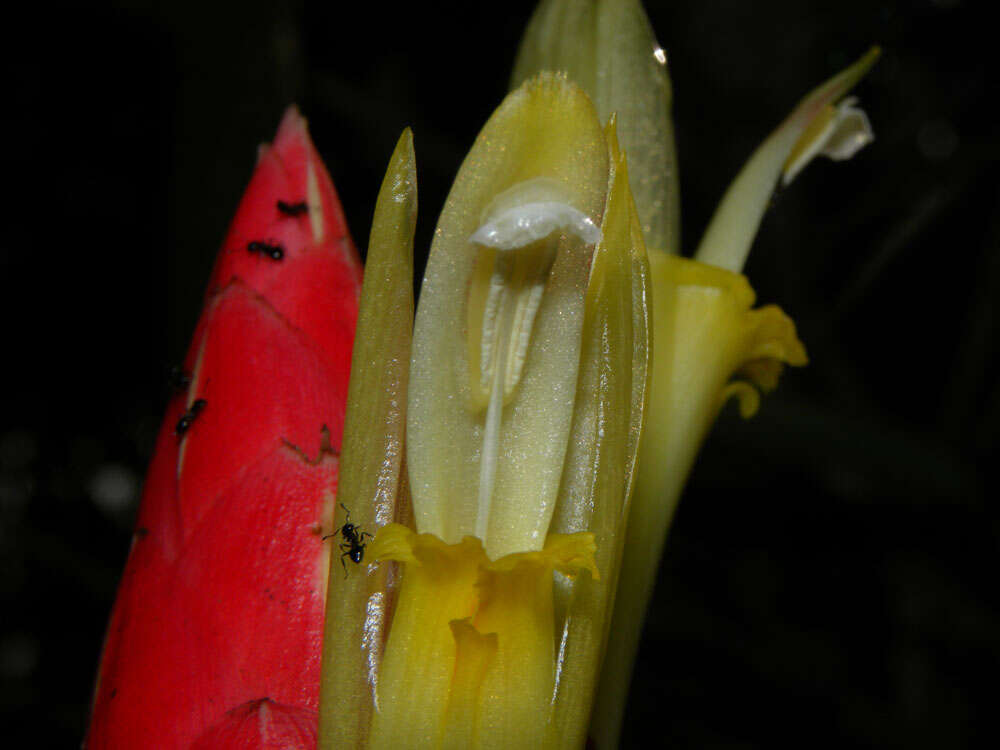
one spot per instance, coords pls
(470, 662)
(706, 332)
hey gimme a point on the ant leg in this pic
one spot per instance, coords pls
(343, 564)
(335, 532)
(366, 534)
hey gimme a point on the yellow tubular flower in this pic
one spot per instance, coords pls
(470, 659)
(707, 333)
(524, 411)
(705, 328)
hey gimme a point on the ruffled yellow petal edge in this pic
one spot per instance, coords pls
(764, 340)
(771, 343)
(567, 553)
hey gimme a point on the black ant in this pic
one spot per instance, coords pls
(189, 416)
(293, 209)
(354, 541)
(273, 251)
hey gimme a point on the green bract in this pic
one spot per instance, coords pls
(608, 48)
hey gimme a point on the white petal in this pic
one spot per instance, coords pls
(530, 222)
(853, 133)
(847, 132)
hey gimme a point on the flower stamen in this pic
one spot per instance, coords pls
(517, 241)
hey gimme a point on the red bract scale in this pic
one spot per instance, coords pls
(215, 636)
(262, 725)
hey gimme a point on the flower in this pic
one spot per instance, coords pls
(705, 328)
(706, 333)
(524, 406)
(214, 639)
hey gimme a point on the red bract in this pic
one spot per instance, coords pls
(215, 637)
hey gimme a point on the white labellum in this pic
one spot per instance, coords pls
(846, 132)
(530, 222)
(531, 211)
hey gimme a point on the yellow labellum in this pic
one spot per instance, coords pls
(469, 661)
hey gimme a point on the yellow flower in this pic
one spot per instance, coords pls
(522, 407)
(706, 332)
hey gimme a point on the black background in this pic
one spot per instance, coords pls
(830, 579)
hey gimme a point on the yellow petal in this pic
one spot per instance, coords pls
(469, 661)
(516, 604)
(747, 396)
(419, 661)
(706, 332)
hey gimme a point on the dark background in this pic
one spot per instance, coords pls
(830, 579)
